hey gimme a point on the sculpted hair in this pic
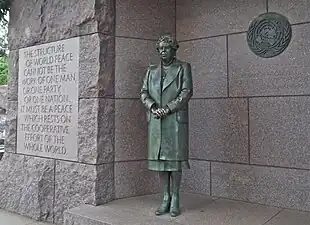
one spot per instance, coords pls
(168, 39)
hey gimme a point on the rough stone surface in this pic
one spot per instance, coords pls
(104, 187)
(11, 127)
(145, 18)
(289, 217)
(106, 130)
(286, 74)
(96, 130)
(77, 183)
(3, 99)
(279, 187)
(35, 22)
(130, 130)
(219, 129)
(197, 178)
(133, 179)
(13, 68)
(295, 10)
(3, 127)
(279, 131)
(27, 186)
(97, 59)
(199, 18)
(209, 65)
(133, 56)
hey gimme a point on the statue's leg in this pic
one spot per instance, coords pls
(165, 184)
(175, 201)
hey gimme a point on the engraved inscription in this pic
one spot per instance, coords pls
(269, 35)
(48, 100)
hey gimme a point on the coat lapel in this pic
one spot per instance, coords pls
(173, 72)
(156, 80)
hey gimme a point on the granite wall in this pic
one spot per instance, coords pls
(3, 99)
(117, 42)
(249, 116)
(139, 23)
(39, 187)
(3, 112)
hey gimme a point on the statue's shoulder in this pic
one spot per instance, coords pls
(152, 66)
(182, 63)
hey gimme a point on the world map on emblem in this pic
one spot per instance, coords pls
(269, 35)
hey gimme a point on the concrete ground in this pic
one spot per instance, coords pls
(196, 210)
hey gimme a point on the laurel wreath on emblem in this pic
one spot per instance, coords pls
(269, 35)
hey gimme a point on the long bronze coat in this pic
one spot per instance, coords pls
(170, 134)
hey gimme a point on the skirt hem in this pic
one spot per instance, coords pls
(165, 165)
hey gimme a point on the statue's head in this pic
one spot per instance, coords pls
(167, 47)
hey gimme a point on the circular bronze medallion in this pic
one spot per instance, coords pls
(269, 35)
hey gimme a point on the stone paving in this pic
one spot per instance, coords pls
(196, 210)
(8, 218)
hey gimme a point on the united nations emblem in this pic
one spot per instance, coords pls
(269, 35)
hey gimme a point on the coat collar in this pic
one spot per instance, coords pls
(172, 73)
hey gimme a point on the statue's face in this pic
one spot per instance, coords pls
(165, 51)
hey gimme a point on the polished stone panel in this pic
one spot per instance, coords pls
(197, 178)
(286, 74)
(145, 19)
(130, 130)
(288, 188)
(133, 178)
(279, 131)
(200, 18)
(219, 129)
(133, 57)
(295, 10)
(208, 59)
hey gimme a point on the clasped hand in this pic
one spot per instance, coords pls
(160, 112)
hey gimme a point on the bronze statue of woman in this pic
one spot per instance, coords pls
(165, 92)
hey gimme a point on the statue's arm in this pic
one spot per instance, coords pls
(186, 91)
(144, 92)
